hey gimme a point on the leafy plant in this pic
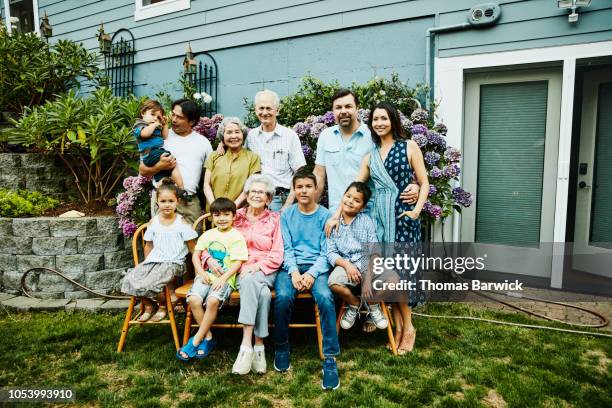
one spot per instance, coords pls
(134, 204)
(23, 203)
(314, 97)
(34, 71)
(91, 135)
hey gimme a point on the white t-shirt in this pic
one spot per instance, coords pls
(190, 152)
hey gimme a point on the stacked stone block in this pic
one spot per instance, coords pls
(36, 172)
(90, 250)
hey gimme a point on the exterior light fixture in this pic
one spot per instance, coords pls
(573, 5)
(45, 27)
(189, 63)
(104, 40)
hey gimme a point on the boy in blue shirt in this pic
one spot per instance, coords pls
(305, 267)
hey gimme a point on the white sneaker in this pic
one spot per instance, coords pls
(242, 365)
(258, 366)
(377, 317)
(349, 317)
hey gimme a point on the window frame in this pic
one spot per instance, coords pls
(143, 12)
(7, 16)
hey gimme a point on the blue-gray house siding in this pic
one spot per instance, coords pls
(273, 43)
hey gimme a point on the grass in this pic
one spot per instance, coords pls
(455, 364)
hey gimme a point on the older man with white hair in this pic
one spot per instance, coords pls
(278, 147)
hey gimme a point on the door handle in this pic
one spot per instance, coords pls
(583, 184)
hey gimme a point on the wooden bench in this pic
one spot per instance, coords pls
(181, 292)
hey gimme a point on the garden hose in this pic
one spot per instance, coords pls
(604, 321)
(25, 289)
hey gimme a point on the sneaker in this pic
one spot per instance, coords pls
(282, 361)
(243, 362)
(377, 317)
(331, 380)
(349, 317)
(258, 366)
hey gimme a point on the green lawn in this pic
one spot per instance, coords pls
(455, 364)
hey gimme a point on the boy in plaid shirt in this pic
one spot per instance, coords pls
(349, 248)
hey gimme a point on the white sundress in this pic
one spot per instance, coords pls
(165, 261)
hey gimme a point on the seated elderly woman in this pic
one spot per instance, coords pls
(261, 229)
(227, 172)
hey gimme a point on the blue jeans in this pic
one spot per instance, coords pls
(277, 202)
(283, 308)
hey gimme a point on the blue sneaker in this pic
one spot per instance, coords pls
(205, 347)
(331, 380)
(282, 360)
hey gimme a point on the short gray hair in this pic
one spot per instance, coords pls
(260, 178)
(274, 95)
(236, 121)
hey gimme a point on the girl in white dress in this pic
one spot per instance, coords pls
(168, 239)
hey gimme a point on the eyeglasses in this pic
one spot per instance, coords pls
(257, 192)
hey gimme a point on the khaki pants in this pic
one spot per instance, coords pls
(189, 209)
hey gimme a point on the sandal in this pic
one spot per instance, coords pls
(145, 316)
(159, 315)
(189, 349)
(205, 347)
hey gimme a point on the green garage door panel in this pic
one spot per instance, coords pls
(511, 163)
(601, 214)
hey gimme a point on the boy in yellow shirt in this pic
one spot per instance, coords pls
(217, 258)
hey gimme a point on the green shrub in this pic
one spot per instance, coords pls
(91, 135)
(22, 203)
(313, 98)
(33, 71)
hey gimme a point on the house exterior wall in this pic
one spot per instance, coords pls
(330, 39)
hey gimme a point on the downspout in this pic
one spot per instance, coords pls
(429, 48)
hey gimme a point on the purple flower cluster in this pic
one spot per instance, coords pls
(302, 129)
(316, 130)
(435, 172)
(134, 186)
(452, 155)
(451, 171)
(435, 138)
(208, 127)
(363, 115)
(432, 209)
(128, 226)
(420, 140)
(432, 190)
(327, 119)
(440, 128)
(419, 115)
(462, 197)
(308, 152)
(418, 129)
(431, 158)
(406, 123)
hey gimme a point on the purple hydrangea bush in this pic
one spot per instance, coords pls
(134, 204)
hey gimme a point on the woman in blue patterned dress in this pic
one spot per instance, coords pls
(391, 165)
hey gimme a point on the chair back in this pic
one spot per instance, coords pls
(138, 243)
(200, 221)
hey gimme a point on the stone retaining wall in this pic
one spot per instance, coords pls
(36, 172)
(90, 250)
